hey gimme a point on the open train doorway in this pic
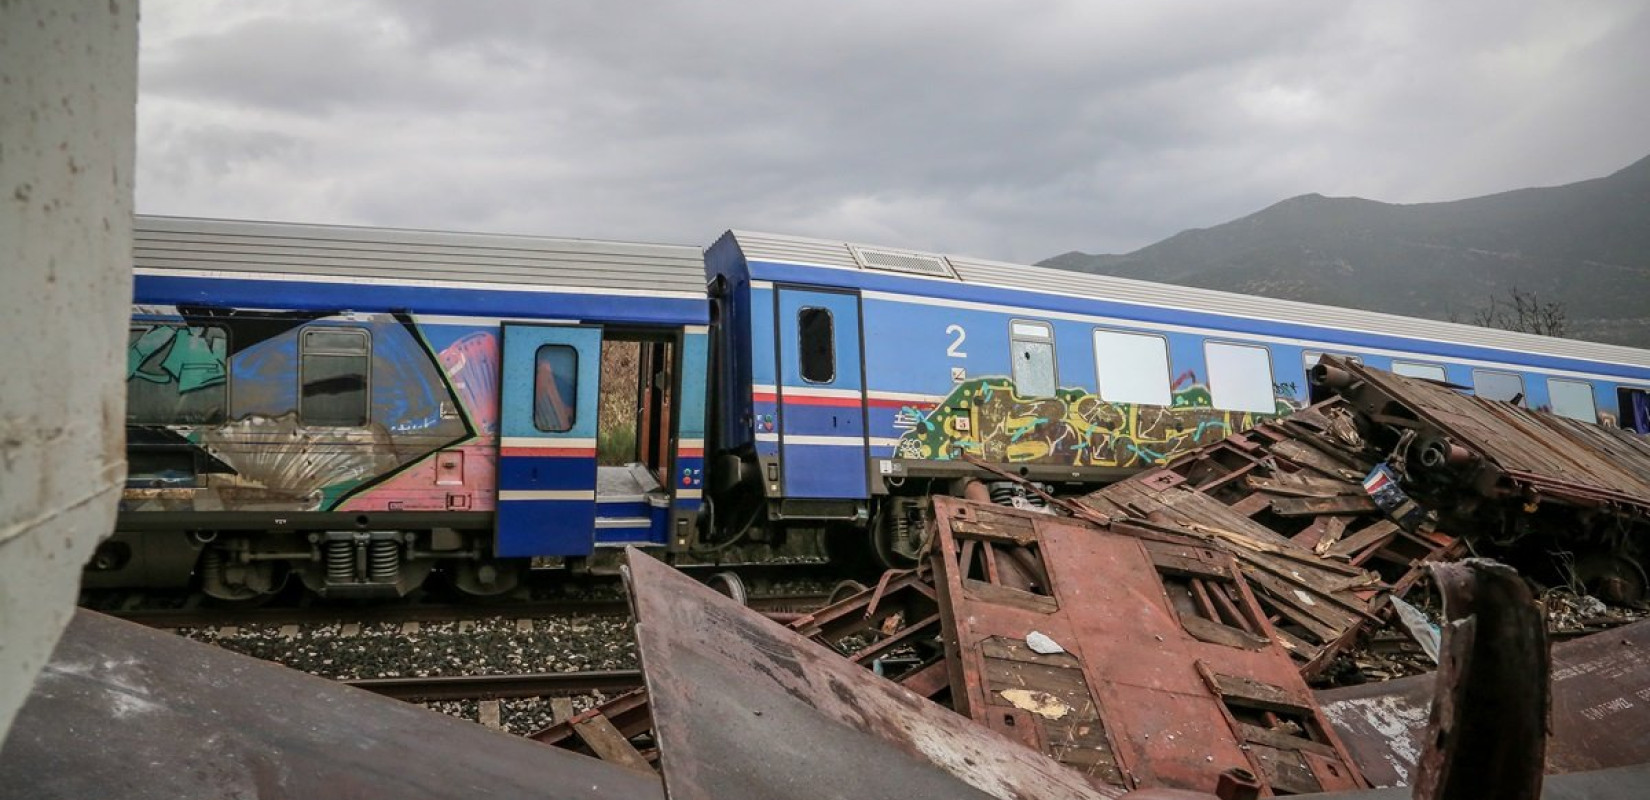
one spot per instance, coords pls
(635, 429)
(1635, 409)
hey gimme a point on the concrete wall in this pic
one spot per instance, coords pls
(68, 96)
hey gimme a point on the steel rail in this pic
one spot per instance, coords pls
(494, 687)
(207, 617)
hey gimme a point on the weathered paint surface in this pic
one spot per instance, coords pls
(67, 116)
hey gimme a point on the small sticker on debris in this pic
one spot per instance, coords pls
(1040, 643)
(1040, 703)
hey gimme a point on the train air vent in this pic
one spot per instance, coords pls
(909, 263)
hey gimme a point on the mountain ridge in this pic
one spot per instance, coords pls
(1584, 244)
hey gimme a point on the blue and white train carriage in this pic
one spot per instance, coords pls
(858, 377)
(354, 408)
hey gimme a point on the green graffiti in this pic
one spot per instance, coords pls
(192, 357)
(987, 418)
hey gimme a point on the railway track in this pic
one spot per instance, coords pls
(498, 687)
(778, 606)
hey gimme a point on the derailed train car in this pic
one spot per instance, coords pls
(355, 407)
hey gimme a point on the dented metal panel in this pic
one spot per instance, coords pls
(127, 711)
(1167, 674)
(745, 708)
(1600, 710)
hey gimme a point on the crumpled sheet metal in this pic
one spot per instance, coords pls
(1600, 710)
(745, 708)
(1544, 454)
(127, 711)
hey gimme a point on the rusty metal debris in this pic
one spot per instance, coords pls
(1155, 637)
(1600, 714)
(1171, 675)
(746, 708)
(127, 711)
(1488, 727)
(1528, 483)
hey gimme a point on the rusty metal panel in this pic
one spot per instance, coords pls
(1169, 673)
(126, 711)
(746, 708)
(1600, 710)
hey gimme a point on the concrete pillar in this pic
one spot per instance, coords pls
(68, 96)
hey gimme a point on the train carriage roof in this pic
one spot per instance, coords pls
(927, 266)
(331, 251)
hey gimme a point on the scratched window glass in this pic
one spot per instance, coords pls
(1032, 349)
(333, 377)
(177, 374)
(555, 388)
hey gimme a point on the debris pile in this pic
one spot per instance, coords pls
(1159, 634)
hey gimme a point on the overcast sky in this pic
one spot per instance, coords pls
(1008, 130)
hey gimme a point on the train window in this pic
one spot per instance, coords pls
(335, 364)
(817, 334)
(1410, 369)
(1310, 357)
(1032, 349)
(1240, 377)
(177, 374)
(1572, 399)
(1132, 367)
(555, 388)
(1492, 385)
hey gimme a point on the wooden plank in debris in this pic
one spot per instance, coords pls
(1375, 534)
(1281, 740)
(1298, 453)
(1004, 596)
(609, 745)
(1346, 504)
(1216, 633)
(1293, 485)
(1254, 694)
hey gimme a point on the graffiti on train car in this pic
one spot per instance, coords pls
(304, 411)
(987, 418)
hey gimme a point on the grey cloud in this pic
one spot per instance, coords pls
(1001, 130)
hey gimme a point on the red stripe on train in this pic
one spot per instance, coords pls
(547, 452)
(807, 400)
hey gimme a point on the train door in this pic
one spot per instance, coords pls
(822, 444)
(547, 441)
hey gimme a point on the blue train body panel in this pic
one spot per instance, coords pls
(823, 366)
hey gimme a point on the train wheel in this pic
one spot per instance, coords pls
(239, 584)
(896, 541)
(1612, 577)
(730, 584)
(484, 579)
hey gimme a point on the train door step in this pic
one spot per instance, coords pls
(631, 507)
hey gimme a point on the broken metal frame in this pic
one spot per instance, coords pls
(1167, 673)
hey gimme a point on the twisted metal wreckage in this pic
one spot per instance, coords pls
(1151, 640)
(1155, 638)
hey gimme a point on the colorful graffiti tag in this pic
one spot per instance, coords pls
(987, 418)
(177, 373)
(217, 422)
